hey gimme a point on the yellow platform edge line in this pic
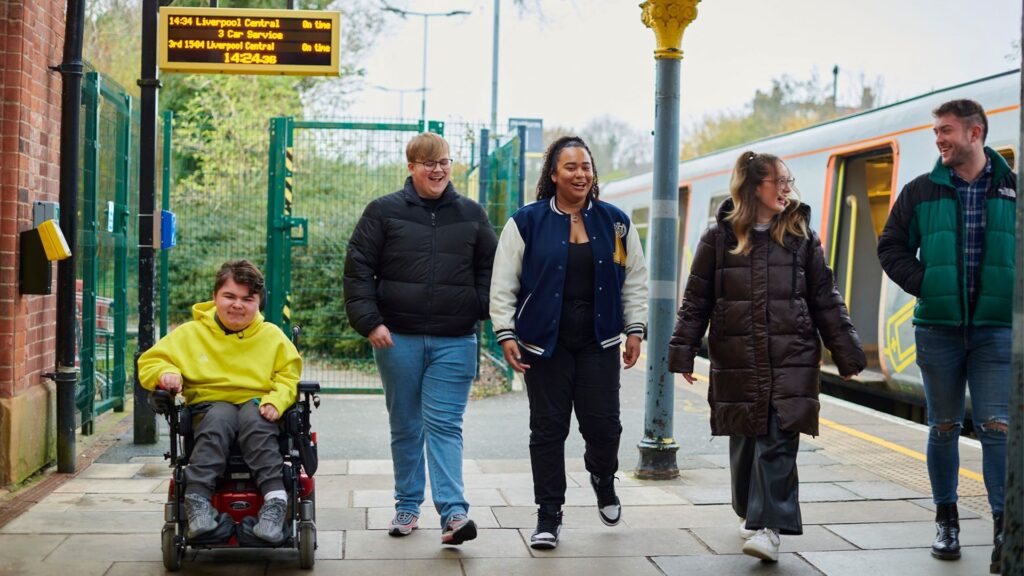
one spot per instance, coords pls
(868, 438)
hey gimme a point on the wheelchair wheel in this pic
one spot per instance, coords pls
(307, 545)
(169, 546)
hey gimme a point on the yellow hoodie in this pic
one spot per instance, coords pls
(259, 362)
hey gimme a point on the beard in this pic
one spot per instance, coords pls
(958, 156)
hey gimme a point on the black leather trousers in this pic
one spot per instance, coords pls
(765, 487)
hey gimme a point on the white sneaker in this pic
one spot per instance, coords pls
(746, 533)
(763, 545)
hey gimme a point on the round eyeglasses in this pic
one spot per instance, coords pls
(444, 163)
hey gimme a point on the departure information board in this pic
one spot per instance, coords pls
(242, 41)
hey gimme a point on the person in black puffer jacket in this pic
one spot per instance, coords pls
(759, 278)
(417, 275)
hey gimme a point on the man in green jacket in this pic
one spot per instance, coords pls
(961, 217)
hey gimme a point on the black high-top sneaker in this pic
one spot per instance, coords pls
(549, 525)
(947, 533)
(997, 544)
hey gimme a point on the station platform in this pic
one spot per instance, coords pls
(863, 488)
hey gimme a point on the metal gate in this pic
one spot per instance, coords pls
(321, 175)
(103, 297)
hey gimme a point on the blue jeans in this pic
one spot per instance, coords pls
(426, 387)
(978, 359)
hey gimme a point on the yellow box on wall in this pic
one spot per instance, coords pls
(54, 244)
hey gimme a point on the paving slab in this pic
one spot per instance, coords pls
(881, 490)
(110, 471)
(734, 565)
(622, 478)
(333, 468)
(85, 522)
(679, 516)
(863, 511)
(154, 470)
(964, 513)
(720, 493)
(493, 466)
(119, 502)
(437, 567)
(503, 480)
(340, 518)
(705, 476)
(826, 492)
(572, 516)
(902, 562)
(57, 501)
(34, 568)
(386, 498)
(112, 486)
(726, 540)
(629, 495)
(632, 566)
(22, 548)
(909, 534)
(836, 473)
(377, 545)
(378, 518)
(357, 467)
(591, 543)
(108, 548)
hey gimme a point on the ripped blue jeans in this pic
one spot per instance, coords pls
(978, 360)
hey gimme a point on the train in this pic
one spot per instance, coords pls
(849, 171)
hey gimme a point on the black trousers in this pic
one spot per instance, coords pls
(579, 374)
(765, 487)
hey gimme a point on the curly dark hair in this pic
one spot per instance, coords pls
(244, 273)
(545, 187)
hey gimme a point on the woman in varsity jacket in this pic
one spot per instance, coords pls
(569, 279)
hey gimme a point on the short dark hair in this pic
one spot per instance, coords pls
(966, 110)
(244, 273)
(545, 187)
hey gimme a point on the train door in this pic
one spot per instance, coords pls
(856, 211)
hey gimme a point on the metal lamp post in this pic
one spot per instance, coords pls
(668, 19)
(426, 17)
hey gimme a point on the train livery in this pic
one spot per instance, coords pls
(849, 171)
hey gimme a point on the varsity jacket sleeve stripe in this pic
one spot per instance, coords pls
(634, 289)
(508, 267)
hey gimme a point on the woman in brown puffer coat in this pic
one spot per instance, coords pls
(760, 279)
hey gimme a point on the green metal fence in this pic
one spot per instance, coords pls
(106, 301)
(318, 178)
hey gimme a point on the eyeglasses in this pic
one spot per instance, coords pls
(444, 163)
(781, 182)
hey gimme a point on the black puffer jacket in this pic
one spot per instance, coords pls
(766, 311)
(419, 270)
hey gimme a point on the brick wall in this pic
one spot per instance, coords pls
(31, 39)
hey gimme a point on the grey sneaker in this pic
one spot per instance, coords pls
(271, 525)
(458, 530)
(201, 516)
(402, 524)
(763, 545)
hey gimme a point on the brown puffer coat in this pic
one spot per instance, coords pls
(766, 311)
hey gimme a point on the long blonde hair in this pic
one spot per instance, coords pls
(750, 170)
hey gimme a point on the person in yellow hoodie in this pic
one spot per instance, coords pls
(242, 374)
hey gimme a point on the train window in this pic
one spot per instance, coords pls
(641, 221)
(716, 202)
(1009, 155)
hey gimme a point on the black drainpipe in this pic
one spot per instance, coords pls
(71, 71)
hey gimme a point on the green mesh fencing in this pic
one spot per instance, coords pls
(106, 301)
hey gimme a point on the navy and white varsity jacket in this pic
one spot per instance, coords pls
(529, 275)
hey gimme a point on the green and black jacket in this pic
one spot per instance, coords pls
(928, 216)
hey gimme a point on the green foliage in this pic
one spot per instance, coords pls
(789, 105)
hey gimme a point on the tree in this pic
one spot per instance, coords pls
(788, 105)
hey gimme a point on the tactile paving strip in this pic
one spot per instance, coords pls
(896, 467)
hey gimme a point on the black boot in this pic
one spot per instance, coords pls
(947, 533)
(997, 544)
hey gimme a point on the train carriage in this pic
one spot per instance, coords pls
(849, 171)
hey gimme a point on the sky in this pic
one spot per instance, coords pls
(581, 59)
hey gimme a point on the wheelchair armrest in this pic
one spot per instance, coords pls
(161, 401)
(309, 387)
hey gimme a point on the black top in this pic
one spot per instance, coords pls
(579, 273)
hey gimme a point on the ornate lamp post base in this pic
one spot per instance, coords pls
(657, 459)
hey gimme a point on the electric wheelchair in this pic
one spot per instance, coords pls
(236, 498)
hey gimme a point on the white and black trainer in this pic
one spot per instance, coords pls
(549, 526)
